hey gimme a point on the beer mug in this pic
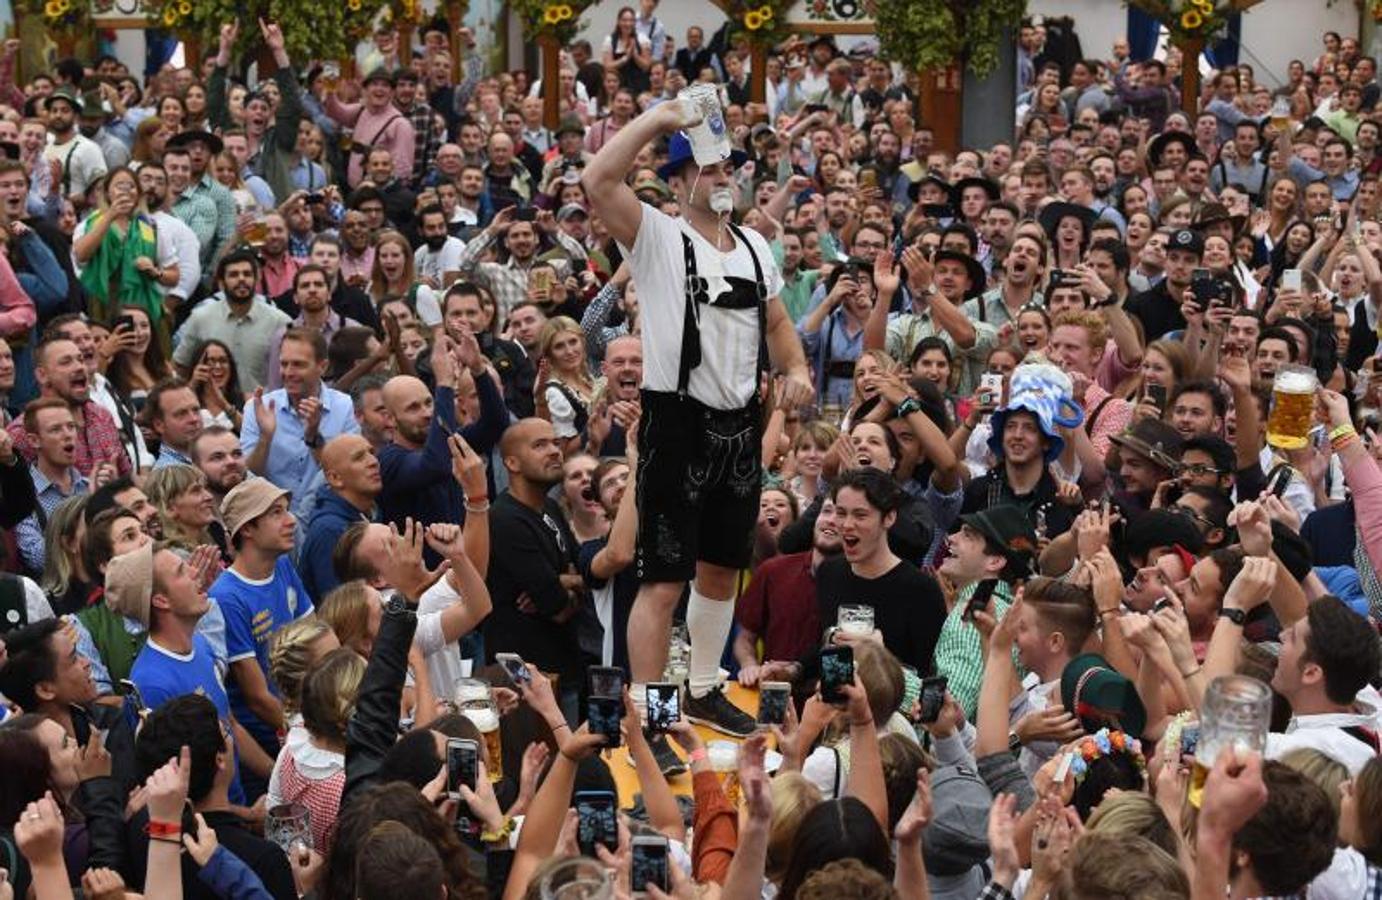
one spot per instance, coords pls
(577, 878)
(475, 701)
(257, 232)
(331, 77)
(855, 620)
(1236, 713)
(1293, 407)
(289, 825)
(1281, 114)
(710, 138)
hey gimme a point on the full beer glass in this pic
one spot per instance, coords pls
(475, 701)
(1293, 407)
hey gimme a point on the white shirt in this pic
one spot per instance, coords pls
(82, 162)
(165, 248)
(187, 249)
(428, 263)
(442, 658)
(727, 377)
(1325, 732)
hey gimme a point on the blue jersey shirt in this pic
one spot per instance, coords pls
(161, 675)
(254, 611)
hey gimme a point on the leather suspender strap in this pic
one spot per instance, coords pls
(762, 289)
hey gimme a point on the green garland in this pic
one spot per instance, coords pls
(61, 18)
(934, 34)
(763, 23)
(560, 19)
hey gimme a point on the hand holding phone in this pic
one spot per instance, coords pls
(596, 822)
(837, 670)
(462, 766)
(603, 715)
(648, 865)
(932, 698)
(773, 697)
(664, 707)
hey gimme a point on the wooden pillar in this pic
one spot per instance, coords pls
(1190, 76)
(455, 14)
(551, 80)
(192, 52)
(942, 97)
(405, 45)
(758, 85)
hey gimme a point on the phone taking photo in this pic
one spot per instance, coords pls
(932, 698)
(773, 697)
(514, 666)
(648, 864)
(602, 715)
(596, 821)
(837, 670)
(664, 706)
(983, 592)
(462, 765)
(605, 681)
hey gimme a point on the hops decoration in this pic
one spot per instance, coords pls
(556, 18)
(937, 34)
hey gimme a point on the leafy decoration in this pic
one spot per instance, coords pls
(934, 34)
(763, 23)
(560, 19)
(61, 18)
(1187, 20)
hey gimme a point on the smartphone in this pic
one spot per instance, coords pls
(1279, 481)
(132, 690)
(1290, 279)
(602, 714)
(514, 666)
(932, 697)
(773, 697)
(991, 387)
(596, 822)
(983, 592)
(937, 211)
(648, 864)
(1058, 277)
(1157, 394)
(1202, 287)
(316, 197)
(540, 279)
(462, 765)
(1190, 739)
(526, 214)
(125, 321)
(814, 108)
(664, 706)
(868, 178)
(606, 681)
(81, 724)
(837, 670)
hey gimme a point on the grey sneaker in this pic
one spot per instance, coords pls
(667, 759)
(715, 711)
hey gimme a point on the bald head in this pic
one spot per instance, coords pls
(352, 470)
(532, 454)
(410, 403)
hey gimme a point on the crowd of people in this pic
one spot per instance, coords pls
(388, 480)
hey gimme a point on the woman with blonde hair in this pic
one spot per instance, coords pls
(393, 275)
(1324, 770)
(295, 648)
(353, 611)
(312, 771)
(793, 797)
(564, 388)
(226, 170)
(186, 508)
(1165, 364)
(869, 364)
(809, 447)
(65, 579)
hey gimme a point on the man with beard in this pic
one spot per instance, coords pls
(533, 582)
(1077, 184)
(202, 204)
(283, 431)
(353, 485)
(63, 374)
(244, 321)
(937, 287)
(623, 371)
(397, 198)
(153, 184)
(347, 300)
(1159, 309)
(73, 327)
(1025, 264)
(81, 162)
(712, 325)
(276, 267)
(780, 607)
(438, 262)
(416, 465)
(52, 432)
(371, 412)
(217, 454)
(606, 562)
(525, 325)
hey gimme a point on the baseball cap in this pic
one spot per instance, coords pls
(1186, 239)
(247, 501)
(571, 209)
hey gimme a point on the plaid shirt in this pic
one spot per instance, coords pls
(1115, 415)
(508, 281)
(224, 205)
(959, 655)
(995, 891)
(198, 212)
(427, 139)
(98, 439)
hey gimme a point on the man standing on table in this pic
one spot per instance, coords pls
(712, 323)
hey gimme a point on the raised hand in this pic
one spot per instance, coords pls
(918, 813)
(264, 416)
(273, 35)
(230, 32)
(202, 845)
(206, 565)
(468, 468)
(168, 788)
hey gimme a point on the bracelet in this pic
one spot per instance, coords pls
(166, 840)
(477, 509)
(156, 828)
(558, 727)
(1340, 431)
(1192, 673)
(700, 754)
(1108, 612)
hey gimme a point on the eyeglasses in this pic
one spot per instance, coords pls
(216, 362)
(1195, 516)
(1200, 469)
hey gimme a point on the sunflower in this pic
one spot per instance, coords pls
(753, 20)
(766, 12)
(565, 12)
(50, 9)
(353, 5)
(184, 8)
(550, 16)
(1204, 6)
(1191, 19)
(170, 16)
(63, 7)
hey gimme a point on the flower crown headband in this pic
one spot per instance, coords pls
(1101, 744)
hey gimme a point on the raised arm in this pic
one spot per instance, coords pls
(610, 197)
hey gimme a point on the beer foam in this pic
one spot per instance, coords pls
(483, 719)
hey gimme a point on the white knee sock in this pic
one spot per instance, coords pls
(708, 622)
(638, 691)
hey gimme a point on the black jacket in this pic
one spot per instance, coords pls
(909, 538)
(373, 727)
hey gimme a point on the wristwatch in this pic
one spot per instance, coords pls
(1014, 743)
(1236, 616)
(395, 605)
(315, 443)
(908, 406)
